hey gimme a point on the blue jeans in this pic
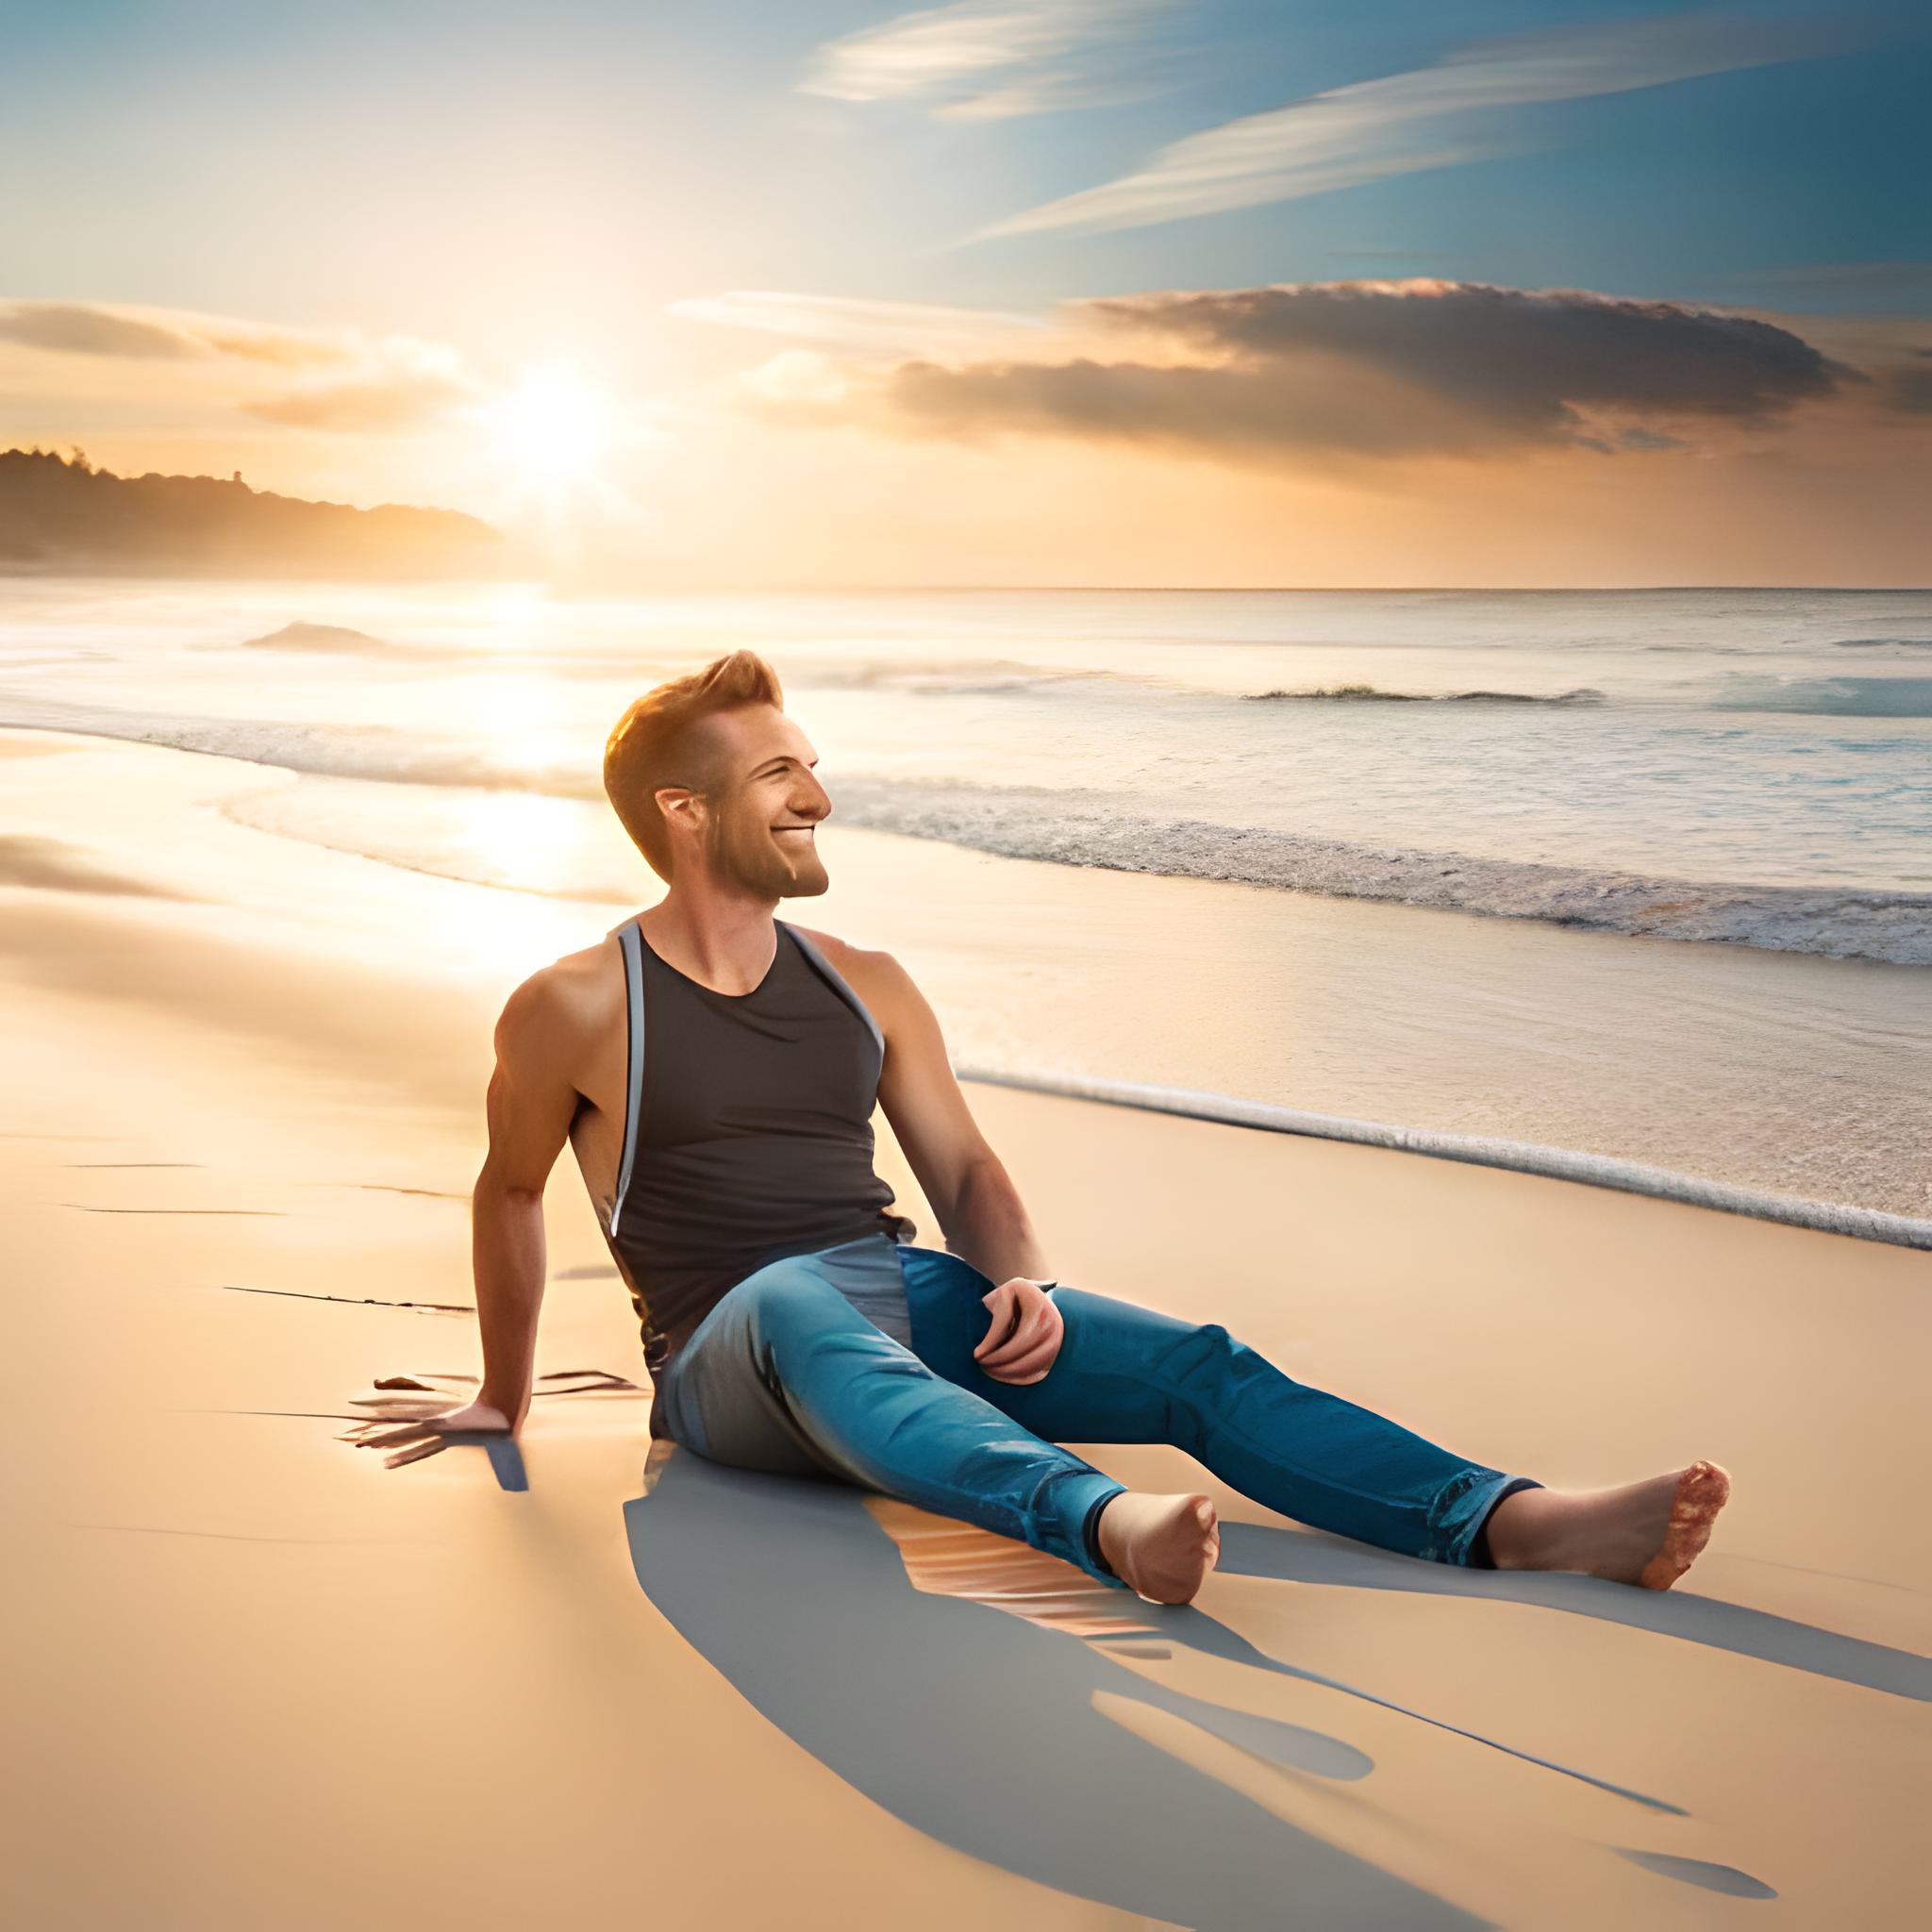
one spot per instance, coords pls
(857, 1363)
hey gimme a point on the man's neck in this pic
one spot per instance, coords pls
(724, 941)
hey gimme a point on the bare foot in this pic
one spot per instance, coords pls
(1646, 1533)
(1161, 1547)
(1703, 1490)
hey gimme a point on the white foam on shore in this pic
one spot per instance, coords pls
(1521, 1156)
(1071, 828)
(1843, 922)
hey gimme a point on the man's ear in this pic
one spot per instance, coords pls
(679, 804)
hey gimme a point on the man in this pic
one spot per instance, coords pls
(716, 1070)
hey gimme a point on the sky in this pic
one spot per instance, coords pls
(1002, 291)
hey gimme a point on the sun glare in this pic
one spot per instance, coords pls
(552, 426)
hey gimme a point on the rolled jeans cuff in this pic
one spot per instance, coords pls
(1090, 1493)
(1463, 1519)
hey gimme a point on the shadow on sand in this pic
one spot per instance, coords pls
(1252, 1549)
(994, 1734)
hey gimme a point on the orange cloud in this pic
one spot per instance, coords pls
(401, 401)
(119, 329)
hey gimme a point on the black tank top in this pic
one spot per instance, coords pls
(757, 1138)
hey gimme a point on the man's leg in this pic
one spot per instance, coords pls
(1126, 1374)
(785, 1375)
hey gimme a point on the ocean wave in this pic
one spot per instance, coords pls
(1368, 694)
(999, 676)
(1831, 698)
(334, 751)
(1690, 650)
(1835, 922)
(1071, 828)
(973, 677)
(1881, 645)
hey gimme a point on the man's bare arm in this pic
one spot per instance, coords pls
(978, 1204)
(530, 1105)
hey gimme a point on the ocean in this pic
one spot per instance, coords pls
(1642, 874)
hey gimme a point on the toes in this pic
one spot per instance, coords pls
(1702, 1491)
(1709, 1486)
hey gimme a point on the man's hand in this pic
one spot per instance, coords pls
(426, 1435)
(1025, 1332)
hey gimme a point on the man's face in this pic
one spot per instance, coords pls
(758, 833)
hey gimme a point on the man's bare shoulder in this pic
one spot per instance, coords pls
(558, 1011)
(873, 973)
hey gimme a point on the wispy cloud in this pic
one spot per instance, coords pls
(403, 401)
(1428, 117)
(1042, 53)
(342, 380)
(860, 323)
(121, 329)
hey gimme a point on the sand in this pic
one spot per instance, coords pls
(261, 1681)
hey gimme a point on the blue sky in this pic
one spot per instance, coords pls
(139, 126)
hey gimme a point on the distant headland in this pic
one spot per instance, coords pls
(60, 516)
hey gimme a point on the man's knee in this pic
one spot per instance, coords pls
(1206, 1366)
(1203, 1348)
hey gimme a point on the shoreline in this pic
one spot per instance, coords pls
(1850, 922)
(1516, 1157)
(1726, 1076)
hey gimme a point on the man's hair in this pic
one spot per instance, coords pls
(662, 741)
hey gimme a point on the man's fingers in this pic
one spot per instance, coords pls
(388, 1434)
(434, 1446)
(1032, 1351)
(387, 1405)
(1034, 1318)
(1006, 1316)
(372, 1425)
(1020, 1343)
(1041, 1321)
(1032, 1366)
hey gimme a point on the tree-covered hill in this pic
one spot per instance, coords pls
(61, 516)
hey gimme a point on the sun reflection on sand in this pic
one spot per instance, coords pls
(944, 1557)
(522, 834)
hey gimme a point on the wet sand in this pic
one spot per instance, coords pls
(260, 1679)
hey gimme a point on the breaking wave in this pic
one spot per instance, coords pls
(1368, 694)
(1838, 922)
(1831, 698)
(1071, 828)
(979, 676)
(333, 750)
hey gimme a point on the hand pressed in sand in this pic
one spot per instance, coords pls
(426, 1428)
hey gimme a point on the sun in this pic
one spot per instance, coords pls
(551, 425)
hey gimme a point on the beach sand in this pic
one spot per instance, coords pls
(258, 1680)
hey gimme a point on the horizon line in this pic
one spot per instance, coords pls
(726, 587)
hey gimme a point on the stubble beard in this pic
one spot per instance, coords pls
(757, 862)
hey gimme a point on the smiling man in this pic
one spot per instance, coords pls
(716, 1070)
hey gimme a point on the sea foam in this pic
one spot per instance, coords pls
(1061, 828)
